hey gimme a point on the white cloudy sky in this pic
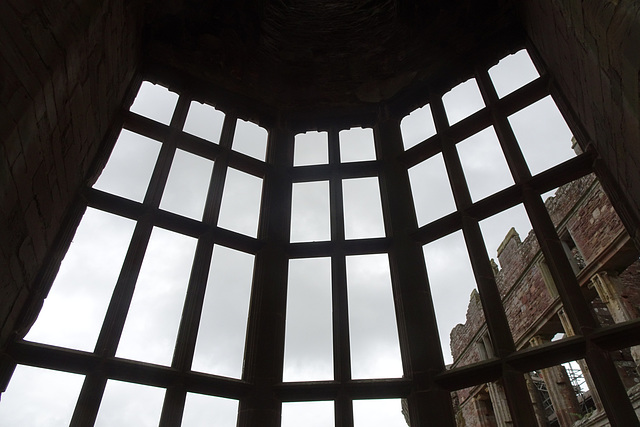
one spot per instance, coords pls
(73, 312)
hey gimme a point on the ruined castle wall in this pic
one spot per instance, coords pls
(594, 225)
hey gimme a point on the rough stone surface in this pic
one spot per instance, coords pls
(66, 67)
(581, 209)
(592, 49)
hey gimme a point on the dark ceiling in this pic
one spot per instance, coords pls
(297, 54)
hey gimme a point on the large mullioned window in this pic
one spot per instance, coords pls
(227, 273)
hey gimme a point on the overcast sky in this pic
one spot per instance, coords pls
(73, 312)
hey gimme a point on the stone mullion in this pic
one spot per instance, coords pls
(341, 344)
(264, 350)
(92, 390)
(173, 406)
(429, 403)
(615, 401)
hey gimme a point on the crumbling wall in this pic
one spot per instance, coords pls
(594, 225)
(461, 335)
(66, 69)
(582, 207)
(630, 280)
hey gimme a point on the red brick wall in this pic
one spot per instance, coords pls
(66, 69)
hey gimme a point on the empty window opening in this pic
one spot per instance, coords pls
(204, 121)
(513, 72)
(186, 190)
(308, 350)
(74, 310)
(462, 101)
(356, 145)
(375, 350)
(512, 248)
(152, 322)
(484, 165)
(383, 412)
(240, 209)
(130, 165)
(311, 148)
(221, 333)
(129, 404)
(250, 139)
(155, 102)
(543, 135)
(417, 126)
(310, 216)
(453, 289)
(308, 414)
(362, 208)
(429, 183)
(40, 397)
(508, 224)
(203, 410)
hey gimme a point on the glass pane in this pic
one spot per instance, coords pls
(543, 135)
(375, 351)
(128, 171)
(462, 101)
(73, 311)
(308, 350)
(356, 145)
(513, 72)
(250, 139)
(310, 218)
(452, 284)
(378, 412)
(484, 165)
(128, 404)
(240, 207)
(311, 148)
(155, 102)
(417, 126)
(187, 185)
(432, 196)
(223, 323)
(307, 414)
(362, 208)
(152, 322)
(39, 397)
(204, 121)
(204, 411)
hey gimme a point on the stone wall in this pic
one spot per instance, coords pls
(591, 50)
(66, 70)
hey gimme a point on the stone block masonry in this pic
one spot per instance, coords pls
(66, 70)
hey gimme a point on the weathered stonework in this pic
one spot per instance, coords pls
(66, 69)
(581, 212)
